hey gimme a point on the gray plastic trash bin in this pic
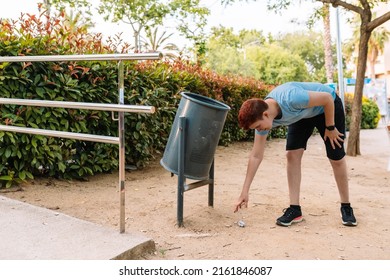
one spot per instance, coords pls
(205, 118)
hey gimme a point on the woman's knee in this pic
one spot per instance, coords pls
(294, 155)
(338, 163)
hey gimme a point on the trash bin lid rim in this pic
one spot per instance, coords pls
(204, 100)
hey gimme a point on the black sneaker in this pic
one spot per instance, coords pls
(290, 216)
(347, 217)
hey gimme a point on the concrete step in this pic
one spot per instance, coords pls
(29, 232)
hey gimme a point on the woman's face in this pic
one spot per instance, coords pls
(264, 124)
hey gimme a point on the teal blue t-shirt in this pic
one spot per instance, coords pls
(293, 98)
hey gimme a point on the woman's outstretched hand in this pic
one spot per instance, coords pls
(241, 202)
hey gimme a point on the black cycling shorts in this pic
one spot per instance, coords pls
(299, 132)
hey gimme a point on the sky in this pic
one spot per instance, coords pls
(252, 15)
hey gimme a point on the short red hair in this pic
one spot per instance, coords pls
(251, 111)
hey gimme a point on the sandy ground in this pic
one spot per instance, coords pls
(213, 232)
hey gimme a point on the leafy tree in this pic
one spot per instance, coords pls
(309, 46)
(276, 65)
(362, 8)
(249, 55)
(191, 20)
(143, 15)
(82, 6)
(225, 36)
(188, 17)
(251, 37)
(139, 14)
(222, 51)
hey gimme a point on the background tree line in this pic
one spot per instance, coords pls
(273, 59)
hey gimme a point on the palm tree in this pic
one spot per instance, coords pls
(327, 43)
(154, 42)
(376, 44)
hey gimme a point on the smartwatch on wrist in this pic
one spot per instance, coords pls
(330, 127)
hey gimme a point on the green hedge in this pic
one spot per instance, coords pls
(370, 112)
(158, 84)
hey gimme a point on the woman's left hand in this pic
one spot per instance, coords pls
(335, 137)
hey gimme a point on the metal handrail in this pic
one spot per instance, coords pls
(79, 105)
(61, 134)
(82, 57)
(121, 108)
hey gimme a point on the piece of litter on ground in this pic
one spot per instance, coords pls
(241, 223)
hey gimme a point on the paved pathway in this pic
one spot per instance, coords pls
(29, 232)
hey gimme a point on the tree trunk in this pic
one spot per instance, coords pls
(353, 148)
(327, 44)
(136, 42)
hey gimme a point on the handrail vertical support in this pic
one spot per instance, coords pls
(211, 185)
(121, 134)
(181, 166)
